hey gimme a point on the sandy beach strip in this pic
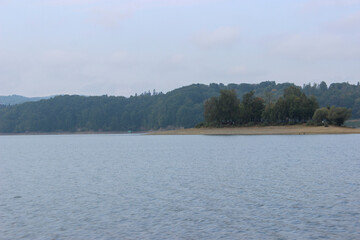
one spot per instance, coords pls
(268, 130)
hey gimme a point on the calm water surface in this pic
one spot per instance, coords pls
(179, 187)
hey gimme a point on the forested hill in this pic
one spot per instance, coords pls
(16, 99)
(181, 107)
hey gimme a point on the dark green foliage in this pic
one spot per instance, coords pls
(228, 107)
(16, 99)
(252, 108)
(323, 87)
(293, 107)
(227, 110)
(356, 108)
(211, 113)
(183, 107)
(334, 115)
(320, 116)
(269, 115)
(337, 94)
(222, 110)
(338, 115)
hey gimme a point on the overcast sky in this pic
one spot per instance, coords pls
(123, 47)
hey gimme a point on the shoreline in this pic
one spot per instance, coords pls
(68, 133)
(256, 130)
(260, 130)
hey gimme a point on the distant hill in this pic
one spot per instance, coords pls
(182, 107)
(16, 99)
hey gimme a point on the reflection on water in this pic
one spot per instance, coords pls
(179, 187)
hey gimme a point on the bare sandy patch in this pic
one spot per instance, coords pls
(269, 130)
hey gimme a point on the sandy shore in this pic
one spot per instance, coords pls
(270, 130)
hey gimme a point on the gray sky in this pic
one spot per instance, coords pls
(123, 47)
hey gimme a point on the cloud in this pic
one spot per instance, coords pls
(109, 17)
(312, 48)
(171, 63)
(139, 3)
(72, 2)
(349, 24)
(223, 36)
(316, 4)
(58, 72)
(2, 2)
(60, 57)
(241, 71)
(111, 13)
(180, 2)
(237, 70)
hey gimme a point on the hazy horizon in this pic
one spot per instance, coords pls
(93, 47)
(151, 90)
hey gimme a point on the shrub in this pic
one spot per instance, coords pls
(338, 115)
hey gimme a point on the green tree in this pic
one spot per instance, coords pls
(228, 107)
(222, 110)
(320, 115)
(294, 106)
(252, 108)
(338, 115)
(211, 112)
(323, 86)
(268, 115)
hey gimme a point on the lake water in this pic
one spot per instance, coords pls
(179, 187)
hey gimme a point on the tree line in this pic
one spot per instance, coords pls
(291, 108)
(182, 107)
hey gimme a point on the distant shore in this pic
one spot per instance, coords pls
(257, 130)
(268, 130)
(68, 133)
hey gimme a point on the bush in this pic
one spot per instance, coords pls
(333, 115)
(320, 115)
(311, 123)
(338, 115)
(200, 125)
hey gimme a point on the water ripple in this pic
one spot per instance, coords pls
(179, 187)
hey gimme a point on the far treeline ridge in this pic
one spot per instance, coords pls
(182, 107)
